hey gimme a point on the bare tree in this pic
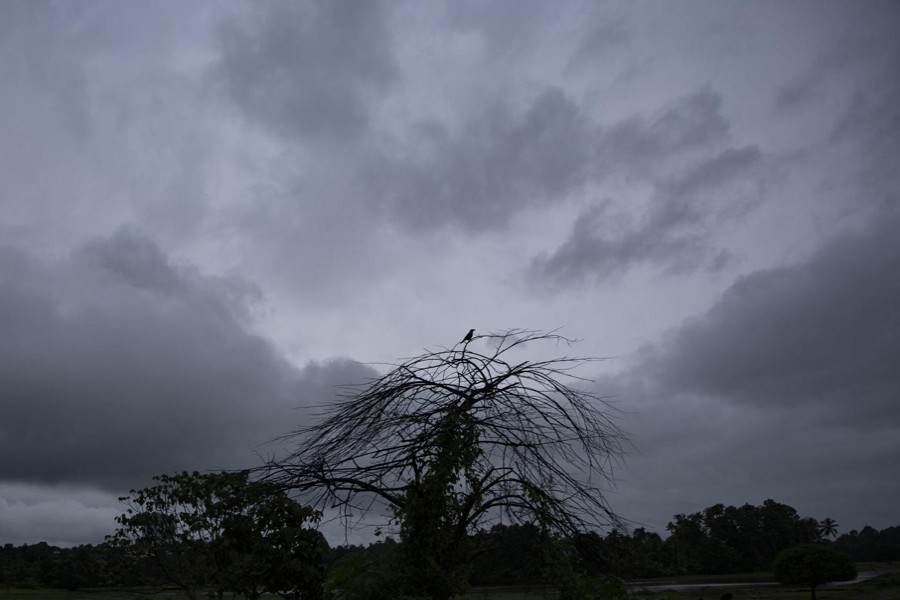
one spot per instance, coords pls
(455, 439)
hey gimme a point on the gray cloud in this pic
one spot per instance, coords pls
(308, 69)
(791, 376)
(870, 127)
(96, 105)
(382, 171)
(706, 187)
(858, 40)
(58, 515)
(691, 123)
(116, 365)
(507, 28)
(590, 252)
(823, 336)
(810, 86)
(498, 163)
(502, 161)
(603, 35)
(715, 172)
(673, 233)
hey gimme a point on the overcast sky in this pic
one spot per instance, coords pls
(211, 213)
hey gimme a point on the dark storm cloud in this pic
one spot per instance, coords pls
(823, 336)
(308, 69)
(791, 376)
(673, 232)
(499, 162)
(117, 364)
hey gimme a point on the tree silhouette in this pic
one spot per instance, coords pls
(812, 566)
(457, 439)
(828, 527)
(223, 532)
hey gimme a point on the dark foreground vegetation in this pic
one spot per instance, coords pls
(507, 555)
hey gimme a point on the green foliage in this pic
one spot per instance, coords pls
(723, 539)
(433, 516)
(812, 566)
(869, 545)
(507, 554)
(223, 532)
(372, 573)
(565, 568)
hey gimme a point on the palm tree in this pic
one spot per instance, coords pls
(828, 527)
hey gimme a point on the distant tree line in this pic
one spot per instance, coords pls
(719, 539)
(87, 566)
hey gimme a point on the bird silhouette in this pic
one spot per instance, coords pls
(468, 337)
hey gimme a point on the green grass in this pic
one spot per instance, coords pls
(883, 587)
(97, 594)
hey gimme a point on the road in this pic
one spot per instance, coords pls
(653, 586)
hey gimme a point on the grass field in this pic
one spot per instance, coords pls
(882, 587)
(99, 594)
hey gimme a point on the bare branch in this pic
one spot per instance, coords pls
(540, 442)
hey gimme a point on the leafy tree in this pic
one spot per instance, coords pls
(449, 441)
(813, 566)
(638, 555)
(871, 545)
(225, 532)
(723, 539)
(267, 546)
(366, 573)
(507, 554)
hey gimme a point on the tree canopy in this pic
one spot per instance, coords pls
(224, 532)
(813, 565)
(460, 438)
(722, 539)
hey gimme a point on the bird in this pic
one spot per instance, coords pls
(468, 337)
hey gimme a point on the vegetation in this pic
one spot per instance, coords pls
(722, 539)
(454, 440)
(813, 566)
(870, 545)
(510, 565)
(221, 532)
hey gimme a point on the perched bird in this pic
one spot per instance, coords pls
(468, 337)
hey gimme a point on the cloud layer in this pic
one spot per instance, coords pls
(118, 365)
(210, 212)
(790, 377)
